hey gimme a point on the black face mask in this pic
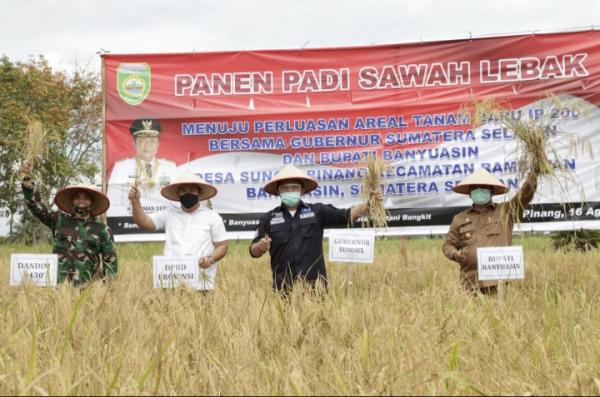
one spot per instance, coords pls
(188, 200)
(82, 212)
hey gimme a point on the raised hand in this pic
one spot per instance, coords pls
(25, 173)
(134, 193)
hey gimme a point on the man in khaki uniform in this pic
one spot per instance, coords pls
(484, 224)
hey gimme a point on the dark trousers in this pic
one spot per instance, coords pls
(490, 291)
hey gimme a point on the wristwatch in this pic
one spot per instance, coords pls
(211, 259)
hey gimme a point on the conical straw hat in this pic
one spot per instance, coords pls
(481, 177)
(187, 178)
(290, 172)
(64, 201)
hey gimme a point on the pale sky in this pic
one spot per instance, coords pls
(71, 32)
(67, 32)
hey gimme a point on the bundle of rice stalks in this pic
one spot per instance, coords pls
(375, 213)
(532, 135)
(34, 147)
(537, 154)
(532, 146)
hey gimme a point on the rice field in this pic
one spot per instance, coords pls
(402, 326)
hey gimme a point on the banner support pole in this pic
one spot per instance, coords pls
(104, 181)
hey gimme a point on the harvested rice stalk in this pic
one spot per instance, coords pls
(533, 136)
(537, 153)
(34, 148)
(375, 213)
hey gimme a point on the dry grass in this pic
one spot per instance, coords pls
(532, 136)
(402, 328)
(35, 146)
(375, 214)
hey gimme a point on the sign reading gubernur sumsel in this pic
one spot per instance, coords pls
(38, 269)
(351, 245)
(500, 263)
(236, 118)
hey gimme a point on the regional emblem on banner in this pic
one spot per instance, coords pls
(133, 82)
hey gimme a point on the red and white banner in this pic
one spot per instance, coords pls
(235, 118)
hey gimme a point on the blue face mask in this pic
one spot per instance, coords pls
(481, 196)
(290, 199)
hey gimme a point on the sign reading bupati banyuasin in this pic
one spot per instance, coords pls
(235, 118)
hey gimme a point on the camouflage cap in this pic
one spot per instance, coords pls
(145, 127)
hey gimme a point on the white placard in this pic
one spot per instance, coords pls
(500, 263)
(175, 271)
(38, 269)
(347, 245)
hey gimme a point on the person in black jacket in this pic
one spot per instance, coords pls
(292, 232)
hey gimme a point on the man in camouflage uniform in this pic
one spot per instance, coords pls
(84, 244)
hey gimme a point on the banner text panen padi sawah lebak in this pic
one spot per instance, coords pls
(235, 118)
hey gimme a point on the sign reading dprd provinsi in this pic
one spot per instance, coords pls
(39, 269)
(500, 263)
(175, 271)
(351, 246)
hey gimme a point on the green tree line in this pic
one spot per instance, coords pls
(69, 106)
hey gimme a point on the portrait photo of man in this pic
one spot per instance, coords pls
(145, 171)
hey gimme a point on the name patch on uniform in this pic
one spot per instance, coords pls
(277, 218)
(277, 221)
(37, 269)
(306, 213)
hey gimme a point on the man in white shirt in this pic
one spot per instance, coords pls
(191, 229)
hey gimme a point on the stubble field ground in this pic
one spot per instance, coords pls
(402, 327)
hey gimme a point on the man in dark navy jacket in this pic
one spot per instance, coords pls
(293, 231)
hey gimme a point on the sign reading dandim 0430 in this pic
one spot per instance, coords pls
(37, 269)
